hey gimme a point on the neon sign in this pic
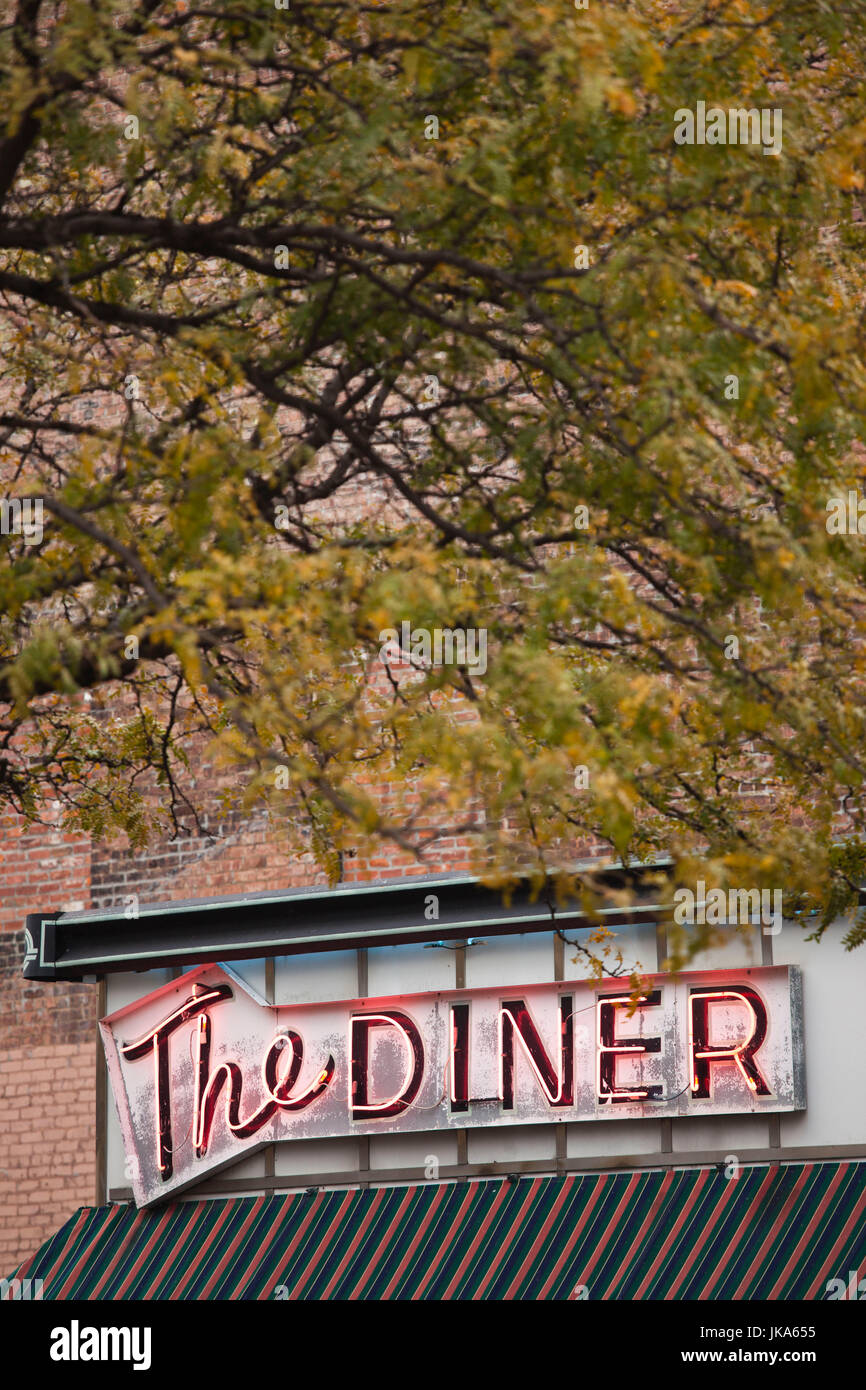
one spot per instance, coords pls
(611, 1046)
(204, 1070)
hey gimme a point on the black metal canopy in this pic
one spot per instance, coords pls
(75, 945)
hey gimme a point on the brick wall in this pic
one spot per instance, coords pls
(46, 1140)
(47, 1047)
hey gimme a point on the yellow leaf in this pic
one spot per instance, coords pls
(620, 99)
(737, 287)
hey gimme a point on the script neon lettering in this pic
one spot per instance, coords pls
(285, 1055)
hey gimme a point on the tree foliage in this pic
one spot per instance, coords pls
(299, 343)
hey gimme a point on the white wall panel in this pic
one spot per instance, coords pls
(316, 978)
(723, 1133)
(834, 1026)
(253, 1166)
(316, 1156)
(413, 1151)
(127, 986)
(742, 946)
(512, 1145)
(595, 1140)
(510, 960)
(252, 972)
(409, 970)
(637, 942)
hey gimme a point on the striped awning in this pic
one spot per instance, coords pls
(777, 1232)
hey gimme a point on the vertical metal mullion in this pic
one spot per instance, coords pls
(363, 986)
(101, 1106)
(271, 996)
(560, 1130)
(460, 983)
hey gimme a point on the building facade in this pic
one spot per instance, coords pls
(409, 1088)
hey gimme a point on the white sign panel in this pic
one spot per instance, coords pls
(204, 1070)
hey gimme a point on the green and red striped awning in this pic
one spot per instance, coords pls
(777, 1232)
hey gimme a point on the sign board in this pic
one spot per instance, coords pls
(204, 1070)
